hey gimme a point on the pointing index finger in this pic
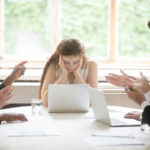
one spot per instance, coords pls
(22, 63)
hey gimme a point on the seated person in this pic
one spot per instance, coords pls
(6, 93)
(68, 65)
(138, 89)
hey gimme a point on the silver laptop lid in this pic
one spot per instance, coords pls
(99, 105)
(68, 98)
(101, 112)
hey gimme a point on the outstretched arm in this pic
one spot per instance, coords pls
(15, 74)
(93, 74)
(120, 80)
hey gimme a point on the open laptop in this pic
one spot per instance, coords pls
(102, 114)
(66, 98)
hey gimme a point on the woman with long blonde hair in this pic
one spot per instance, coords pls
(68, 65)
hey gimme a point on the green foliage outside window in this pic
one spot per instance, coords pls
(26, 17)
(134, 35)
(87, 20)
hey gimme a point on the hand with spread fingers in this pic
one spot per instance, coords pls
(135, 95)
(9, 117)
(5, 95)
(16, 73)
(120, 80)
(123, 80)
(141, 84)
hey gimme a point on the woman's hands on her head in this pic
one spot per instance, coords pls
(79, 66)
(5, 95)
(62, 66)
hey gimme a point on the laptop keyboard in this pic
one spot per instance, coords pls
(116, 121)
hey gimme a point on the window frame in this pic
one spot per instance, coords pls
(55, 29)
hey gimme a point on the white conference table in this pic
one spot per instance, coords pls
(74, 129)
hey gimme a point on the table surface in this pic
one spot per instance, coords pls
(74, 130)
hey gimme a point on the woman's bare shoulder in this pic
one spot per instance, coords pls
(92, 63)
(51, 68)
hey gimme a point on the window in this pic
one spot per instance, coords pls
(134, 34)
(107, 28)
(87, 21)
(27, 28)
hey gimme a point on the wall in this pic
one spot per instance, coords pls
(24, 92)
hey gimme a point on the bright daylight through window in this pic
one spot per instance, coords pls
(27, 28)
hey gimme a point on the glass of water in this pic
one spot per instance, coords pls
(36, 105)
(145, 128)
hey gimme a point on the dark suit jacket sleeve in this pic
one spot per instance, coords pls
(146, 115)
(2, 86)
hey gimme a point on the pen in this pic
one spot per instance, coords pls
(127, 87)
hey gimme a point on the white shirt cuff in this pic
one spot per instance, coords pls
(147, 96)
(144, 104)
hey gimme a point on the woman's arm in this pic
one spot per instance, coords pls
(77, 75)
(50, 78)
(79, 78)
(64, 74)
(93, 74)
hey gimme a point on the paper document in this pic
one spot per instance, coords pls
(113, 141)
(15, 133)
(112, 133)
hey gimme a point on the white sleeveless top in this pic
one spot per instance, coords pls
(83, 72)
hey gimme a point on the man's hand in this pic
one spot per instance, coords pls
(5, 94)
(18, 70)
(135, 95)
(141, 84)
(120, 80)
(133, 115)
(16, 73)
(12, 117)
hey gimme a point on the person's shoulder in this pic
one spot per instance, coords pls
(92, 63)
(51, 68)
(52, 65)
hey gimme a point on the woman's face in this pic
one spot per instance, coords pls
(71, 62)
